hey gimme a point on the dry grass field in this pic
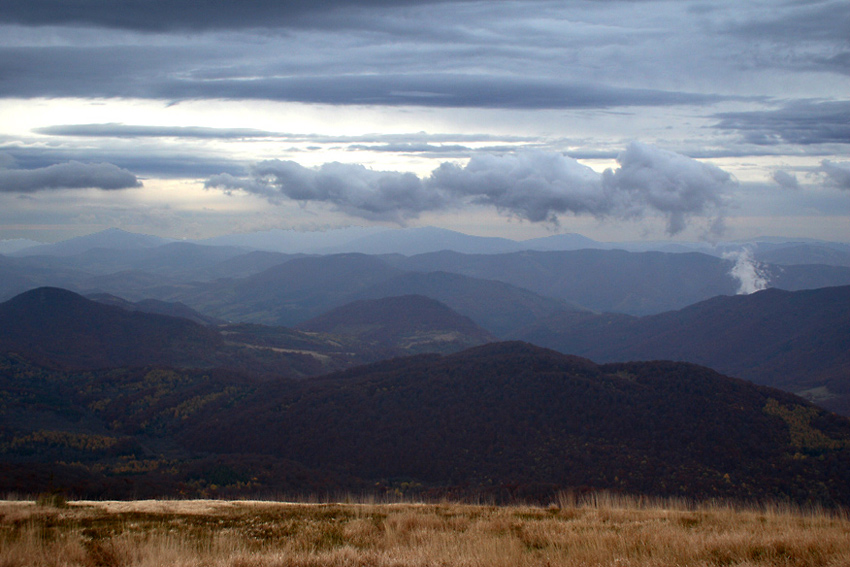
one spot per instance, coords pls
(597, 531)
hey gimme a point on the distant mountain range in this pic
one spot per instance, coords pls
(413, 241)
(618, 281)
(111, 238)
(798, 341)
(302, 288)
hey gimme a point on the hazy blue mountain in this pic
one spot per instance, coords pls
(18, 275)
(134, 285)
(603, 280)
(798, 341)
(172, 309)
(619, 281)
(288, 293)
(16, 245)
(109, 238)
(496, 306)
(800, 254)
(178, 260)
(293, 241)
(569, 241)
(410, 241)
(248, 264)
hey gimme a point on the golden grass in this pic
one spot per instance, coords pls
(598, 531)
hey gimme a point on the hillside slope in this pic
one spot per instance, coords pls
(798, 341)
(515, 414)
(64, 327)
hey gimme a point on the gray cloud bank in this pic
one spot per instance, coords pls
(117, 130)
(803, 122)
(71, 175)
(165, 15)
(161, 73)
(535, 186)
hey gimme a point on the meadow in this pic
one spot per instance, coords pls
(596, 530)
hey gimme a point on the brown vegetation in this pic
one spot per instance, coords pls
(595, 531)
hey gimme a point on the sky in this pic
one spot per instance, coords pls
(620, 120)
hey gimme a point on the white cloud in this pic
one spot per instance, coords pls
(535, 186)
(669, 183)
(353, 189)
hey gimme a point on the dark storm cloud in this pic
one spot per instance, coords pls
(165, 15)
(71, 175)
(535, 186)
(803, 122)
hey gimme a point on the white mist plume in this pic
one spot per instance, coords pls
(751, 274)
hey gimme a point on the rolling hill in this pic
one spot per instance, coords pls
(512, 414)
(496, 306)
(414, 323)
(504, 420)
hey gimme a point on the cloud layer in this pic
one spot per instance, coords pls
(71, 175)
(179, 14)
(534, 186)
(802, 122)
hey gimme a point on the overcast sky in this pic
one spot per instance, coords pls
(619, 120)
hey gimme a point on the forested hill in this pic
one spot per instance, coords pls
(512, 414)
(61, 326)
(413, 322)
